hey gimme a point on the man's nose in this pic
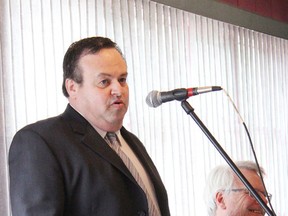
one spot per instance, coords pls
(116, 88)
(263, 197)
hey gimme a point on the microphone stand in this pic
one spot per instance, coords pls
(190, 111)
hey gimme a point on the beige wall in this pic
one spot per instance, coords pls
(229, 14)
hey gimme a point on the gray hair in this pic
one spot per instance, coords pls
(222, 178)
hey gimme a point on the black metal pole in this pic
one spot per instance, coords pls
(190, 111)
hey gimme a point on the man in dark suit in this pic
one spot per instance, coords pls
(63, 166)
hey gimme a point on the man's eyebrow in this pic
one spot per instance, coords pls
(103, 74)
(109, 75)
(124, 74)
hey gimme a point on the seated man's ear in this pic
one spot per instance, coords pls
(220, 200)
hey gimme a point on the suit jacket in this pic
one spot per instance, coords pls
(62, 167)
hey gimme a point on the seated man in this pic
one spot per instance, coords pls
(225, 194)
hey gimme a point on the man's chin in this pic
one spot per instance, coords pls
(116, 123)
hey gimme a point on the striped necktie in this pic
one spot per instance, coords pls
(116, 146)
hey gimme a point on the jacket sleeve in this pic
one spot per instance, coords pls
(36, 182)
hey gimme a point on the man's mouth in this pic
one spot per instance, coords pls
(257, 211)
(117, 102)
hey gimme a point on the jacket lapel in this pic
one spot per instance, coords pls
(138, 148)
(97, 144)
(92, 139)
(141, 153)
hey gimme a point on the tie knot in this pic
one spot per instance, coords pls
(112, 137)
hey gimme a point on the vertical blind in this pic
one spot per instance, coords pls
(165, 48)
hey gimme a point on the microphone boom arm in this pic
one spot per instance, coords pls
(190, 111)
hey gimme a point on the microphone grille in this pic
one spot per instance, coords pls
(152, 99)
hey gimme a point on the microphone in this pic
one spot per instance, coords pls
(156, 98)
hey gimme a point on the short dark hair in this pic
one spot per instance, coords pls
(77, 50)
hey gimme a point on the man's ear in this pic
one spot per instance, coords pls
(71, 87)
(220, 200)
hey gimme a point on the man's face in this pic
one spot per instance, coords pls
(239, 202)
(103, 96)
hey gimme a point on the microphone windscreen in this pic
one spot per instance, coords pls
(152, 99)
